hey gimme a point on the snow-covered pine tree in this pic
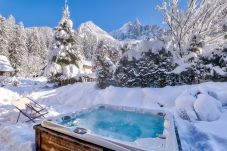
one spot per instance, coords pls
(7, 32)
(103, 66)
(158, 64)
(18, 52)
(127, 73)
(3, 40)
(152, 68)
(35, 53)
(65, 49)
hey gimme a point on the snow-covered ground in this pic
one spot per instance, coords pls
(202, 105)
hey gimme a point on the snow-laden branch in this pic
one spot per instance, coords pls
(200, 17)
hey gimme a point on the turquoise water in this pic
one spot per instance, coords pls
(117, 124)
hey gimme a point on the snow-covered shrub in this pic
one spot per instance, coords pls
(150, 66)
(196, 44)
(127, 73)
(188, 76)
(216, 63)
(158, 65)
(207, 107)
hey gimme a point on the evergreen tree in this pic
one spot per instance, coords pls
(127, 73)
(152, 69)
(103, 66)
(18, 51)
(35, 53)
(65, 49)
(3, 41)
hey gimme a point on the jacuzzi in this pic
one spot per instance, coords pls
(119, 128)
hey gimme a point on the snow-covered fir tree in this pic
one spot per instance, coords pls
(103, 66)
(127, 73)
(18, 50)
(36, 53)
(150, 67)
(3, 40)
(65, 49)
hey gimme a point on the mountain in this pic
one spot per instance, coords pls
(91, 29)
(90, 35)
(136, 31)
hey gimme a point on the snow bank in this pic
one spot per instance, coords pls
(207, 107)
(222, 96)
(83, 95)
(16, 138)
(6, 96)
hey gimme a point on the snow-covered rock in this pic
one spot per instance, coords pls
(207, 107)
(185, 102)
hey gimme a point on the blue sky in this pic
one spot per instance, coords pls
(108, 14)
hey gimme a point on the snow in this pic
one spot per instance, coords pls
(144, 46)
(18, 138)
(89, 28)
(185, 102)
(222, 96)
(5, 64)
(154, 45)
(219, 71)
(194, 134)
(6, 96)
(70, 71)
(53, 69)
(207, 107)
(181, 68)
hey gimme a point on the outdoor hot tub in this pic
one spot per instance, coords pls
(119, 128)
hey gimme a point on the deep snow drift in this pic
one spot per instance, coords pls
(201, 107)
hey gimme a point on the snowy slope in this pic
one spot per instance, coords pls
(90, 35)
(90, 29)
